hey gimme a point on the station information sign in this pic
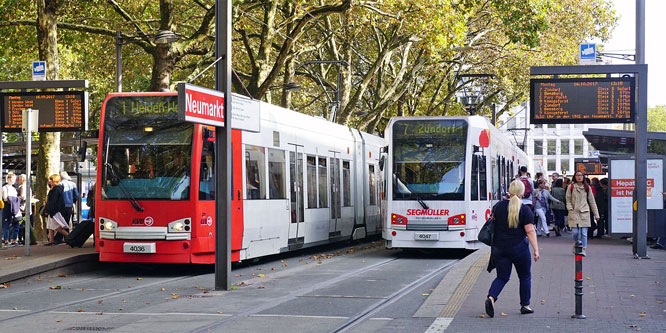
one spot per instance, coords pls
(59, 111)
(582, 100)
(589, 166)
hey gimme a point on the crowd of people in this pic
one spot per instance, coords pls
(561, 201)
(58, 208)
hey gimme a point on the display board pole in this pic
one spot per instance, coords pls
(30, 124)
(639, 235)
(223, 186)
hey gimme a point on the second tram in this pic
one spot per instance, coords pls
(442, 176)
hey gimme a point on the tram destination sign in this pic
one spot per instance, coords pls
(582, 100)
(59, 111)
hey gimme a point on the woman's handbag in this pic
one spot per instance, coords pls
(487, 231)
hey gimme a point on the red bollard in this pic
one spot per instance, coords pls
(579, 278)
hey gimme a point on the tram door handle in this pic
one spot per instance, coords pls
(239, 194)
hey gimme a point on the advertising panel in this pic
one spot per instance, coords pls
(622, 189)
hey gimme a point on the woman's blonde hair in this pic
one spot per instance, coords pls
(55, 179)
(516, 189)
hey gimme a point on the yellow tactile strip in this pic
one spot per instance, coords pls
(460, 294)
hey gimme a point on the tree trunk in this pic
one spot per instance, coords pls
(48, 159)
(162, 67)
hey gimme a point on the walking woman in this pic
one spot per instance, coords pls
(580, 202)
(55, 207)
(514, 226)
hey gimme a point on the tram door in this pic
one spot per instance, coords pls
(296, 232)
(336, 205)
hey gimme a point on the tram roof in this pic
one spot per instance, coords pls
(620, 142)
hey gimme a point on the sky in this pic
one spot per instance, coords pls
(624, 41)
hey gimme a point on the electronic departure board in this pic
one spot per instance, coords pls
(59, 111)
(586, 100)
(589, 166)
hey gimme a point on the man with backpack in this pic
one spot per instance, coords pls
(529, 187)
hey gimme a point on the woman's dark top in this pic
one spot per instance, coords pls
(55, 201)
(505, 236)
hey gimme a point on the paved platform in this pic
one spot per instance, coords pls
(14, 264)
(620, 293)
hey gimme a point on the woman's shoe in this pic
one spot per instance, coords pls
(490, 307)
(526, 310)
(48, 244)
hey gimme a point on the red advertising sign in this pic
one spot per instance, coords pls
(200, 105)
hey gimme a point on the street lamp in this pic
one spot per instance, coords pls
(162, 37)
(471, 92)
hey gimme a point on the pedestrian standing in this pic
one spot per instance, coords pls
(529, 188)
(514, 228)
(580, 203)
(559, 209)
(11, 202)
(71, 195)
(55, 206)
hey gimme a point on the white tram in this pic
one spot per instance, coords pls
(307, 182)
(443, 174)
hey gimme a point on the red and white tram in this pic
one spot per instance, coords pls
(443, 174)
(301, 181)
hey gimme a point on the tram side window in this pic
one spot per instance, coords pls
(276, 174)
(323, 185)
(372, 198)
(312, 181)
(494, 167)
(207, 173)
(255, 166)
(475, 178)
(483, 176)
(346, 183)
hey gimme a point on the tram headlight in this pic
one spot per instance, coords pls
(180, 225)
(108, 225)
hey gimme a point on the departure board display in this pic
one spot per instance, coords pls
(589, 166)
(585, 100)
(59, 111)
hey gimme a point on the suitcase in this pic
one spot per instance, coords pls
(80, 234)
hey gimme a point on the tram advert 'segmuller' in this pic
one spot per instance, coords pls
(582, 100)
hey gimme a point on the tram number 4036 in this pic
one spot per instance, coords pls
(426, 236)
(139, 247)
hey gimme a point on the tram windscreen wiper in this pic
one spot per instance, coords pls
(411, 192)
(114, 175)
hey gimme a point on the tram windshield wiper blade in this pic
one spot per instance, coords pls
(129, 195)
(411, 192)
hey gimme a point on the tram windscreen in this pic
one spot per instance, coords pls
(429, 159)
(147, 151)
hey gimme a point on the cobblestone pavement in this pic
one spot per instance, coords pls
(620, 293)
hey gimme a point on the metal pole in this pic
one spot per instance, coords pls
(223, 186)
(28, 170)
(119, 61)
(578, 289)
(639, 233)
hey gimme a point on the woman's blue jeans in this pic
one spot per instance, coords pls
(583, 230)
(519, 256)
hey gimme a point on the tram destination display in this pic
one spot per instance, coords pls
(582, 100)
(59, 111)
